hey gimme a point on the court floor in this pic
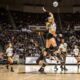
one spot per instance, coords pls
(20, 75)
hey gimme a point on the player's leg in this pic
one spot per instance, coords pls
(42, 61)
(7, 64)
(63, 61)
(10, 59)
(64, 57)
(52, 42)
(78, 60)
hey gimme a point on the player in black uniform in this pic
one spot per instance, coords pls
(52, 42)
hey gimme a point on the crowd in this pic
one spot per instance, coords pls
(23, 41)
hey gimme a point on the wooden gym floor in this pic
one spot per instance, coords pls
(19, 75)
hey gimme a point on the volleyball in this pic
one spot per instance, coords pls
(55, 3)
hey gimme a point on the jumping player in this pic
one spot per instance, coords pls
(51, 38)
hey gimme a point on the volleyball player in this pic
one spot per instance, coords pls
(76, 54)
(51, 38)
(63, 50)
(9, 53)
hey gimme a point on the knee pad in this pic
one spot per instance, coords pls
(47, 50)
(44, 65)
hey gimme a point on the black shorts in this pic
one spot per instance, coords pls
(51, 50)
(49, 36)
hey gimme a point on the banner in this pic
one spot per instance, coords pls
(32, 60)
(77, 28)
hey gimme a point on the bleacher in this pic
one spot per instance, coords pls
(22, 20)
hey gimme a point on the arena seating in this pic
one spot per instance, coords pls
(23, 40)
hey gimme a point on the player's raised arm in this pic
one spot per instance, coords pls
(50, 13)
(44, 9)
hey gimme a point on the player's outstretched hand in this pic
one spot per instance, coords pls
(44, 9)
